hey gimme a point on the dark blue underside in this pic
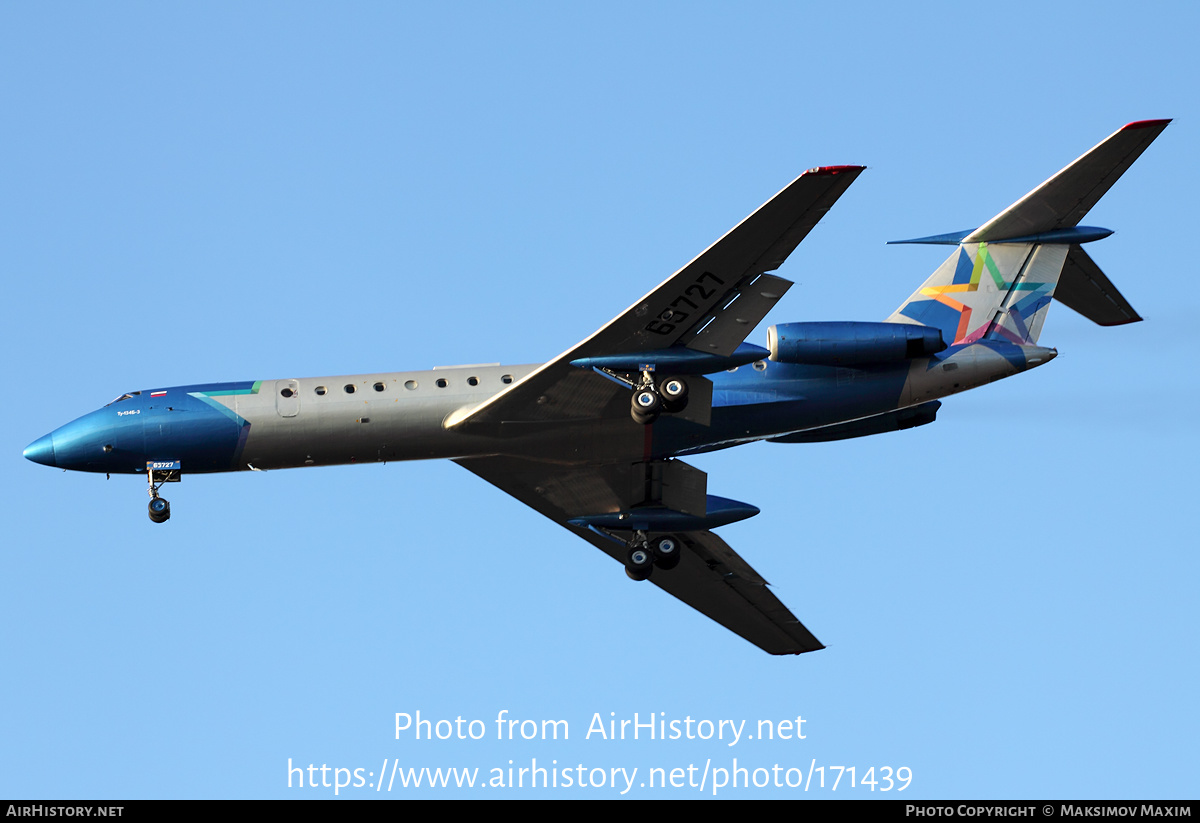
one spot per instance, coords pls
(749, 403)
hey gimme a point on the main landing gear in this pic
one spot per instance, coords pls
(159, 508)
(644, 554)
(650, 399)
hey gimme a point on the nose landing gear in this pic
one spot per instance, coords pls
(168, 472)
(160, 509)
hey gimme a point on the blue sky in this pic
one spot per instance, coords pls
(209, 192)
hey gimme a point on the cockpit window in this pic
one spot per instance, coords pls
(123, 397)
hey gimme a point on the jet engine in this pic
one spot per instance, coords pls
(851, 343)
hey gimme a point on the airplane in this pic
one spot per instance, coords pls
(593, 438)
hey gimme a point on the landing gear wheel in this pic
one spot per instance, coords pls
(159, 510)
(647, 401)
(666, 552)
(674, 394)
(646, 406)
(639, 562)
(639, 557)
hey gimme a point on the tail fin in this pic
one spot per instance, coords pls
(988, 290)
(999, 281)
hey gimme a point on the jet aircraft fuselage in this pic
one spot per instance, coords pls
(367, 418)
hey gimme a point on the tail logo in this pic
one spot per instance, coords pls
(1006, 315)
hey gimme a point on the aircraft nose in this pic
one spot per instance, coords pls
(41, 450)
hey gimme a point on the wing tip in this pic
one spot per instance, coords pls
(1125, 322)
(1146, 124)
(798, 652)
(832, 170)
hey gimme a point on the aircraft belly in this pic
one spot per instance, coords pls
(345, 432)
(785, 399)
(587, 441)
(420, 436)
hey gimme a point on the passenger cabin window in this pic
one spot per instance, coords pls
(472, 381)
(380, 386)
(349, 388)
(441, 383)
(410, 384)
(320, 390)
(506, 378)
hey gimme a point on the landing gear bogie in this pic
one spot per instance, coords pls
(650, 400)
(645, 555)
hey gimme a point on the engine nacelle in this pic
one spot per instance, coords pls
(719, 511)
(851, 343)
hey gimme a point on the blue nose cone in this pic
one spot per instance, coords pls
(41, 451)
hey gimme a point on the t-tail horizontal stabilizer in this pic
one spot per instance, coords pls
(999, 281)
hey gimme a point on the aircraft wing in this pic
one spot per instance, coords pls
(711, 577)
(709, 305)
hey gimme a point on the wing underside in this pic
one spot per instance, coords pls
(711, 577)
(586, 477)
